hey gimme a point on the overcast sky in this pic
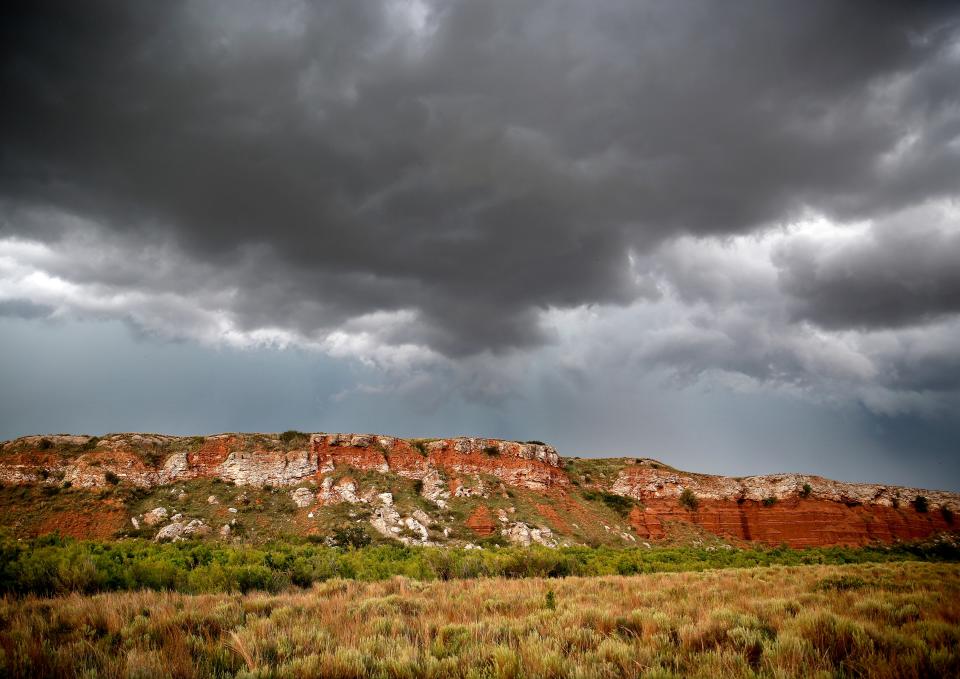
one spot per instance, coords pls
(722, 234)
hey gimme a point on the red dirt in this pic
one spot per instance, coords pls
(556, 521)
(89, 525)
(212, 453)
(481, 521)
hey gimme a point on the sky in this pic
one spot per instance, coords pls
(726, 235)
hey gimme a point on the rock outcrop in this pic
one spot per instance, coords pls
(182, 530)
(521, 534)
(320, 471)
(792, 509)
(260, 460)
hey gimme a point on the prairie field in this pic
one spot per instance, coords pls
(895, 619)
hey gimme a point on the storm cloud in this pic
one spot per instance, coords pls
(760, 190)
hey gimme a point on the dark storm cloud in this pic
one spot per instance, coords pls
(905, 270)
(473, 162)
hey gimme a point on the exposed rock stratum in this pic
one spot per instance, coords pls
(523, 493)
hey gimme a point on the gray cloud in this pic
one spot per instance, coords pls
(904, 270)
(466, 166)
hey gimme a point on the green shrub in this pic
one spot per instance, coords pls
(351, 535)
(769, 501)
(111, 478)
(920, 504)
(806, 490)
(55, 565)
(293, 436)
(689, 500)
(491, 450)
(841, 583)
(535, 443)
(618, 503)
(154, 457)
(45, 444)
(551, 600)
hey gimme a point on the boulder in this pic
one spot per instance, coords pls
(181, 530)
(302, 497)
(155, 516)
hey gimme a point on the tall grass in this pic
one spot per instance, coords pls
(897, 620)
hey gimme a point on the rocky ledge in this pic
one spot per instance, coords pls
(148, 460)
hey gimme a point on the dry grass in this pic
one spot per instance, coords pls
(868, 620)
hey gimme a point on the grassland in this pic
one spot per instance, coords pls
(861, 620)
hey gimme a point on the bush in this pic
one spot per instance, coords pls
(535, 443)
(806, 490)
(769, 501)
(689, 500)
(841, 583)
(111, 478)
(45, 444)
(52, 565)
(920, 504)
(618, 503)
(491, 450)
(292, 436)
(351, 535)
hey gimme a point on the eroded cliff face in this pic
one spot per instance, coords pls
(559, 500)
(792, 509)
(259, 460)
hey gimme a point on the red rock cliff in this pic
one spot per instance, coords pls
(791, 509)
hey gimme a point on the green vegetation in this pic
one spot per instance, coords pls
(769, 501)
(351, 535)
(618, 503)
(593, 471)
(534, 442)
(52, 565)
(807, 489)
(920, 504)
(689, 500)
(292, 436)
(491, 450)
(111, 478)
(897, 620)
